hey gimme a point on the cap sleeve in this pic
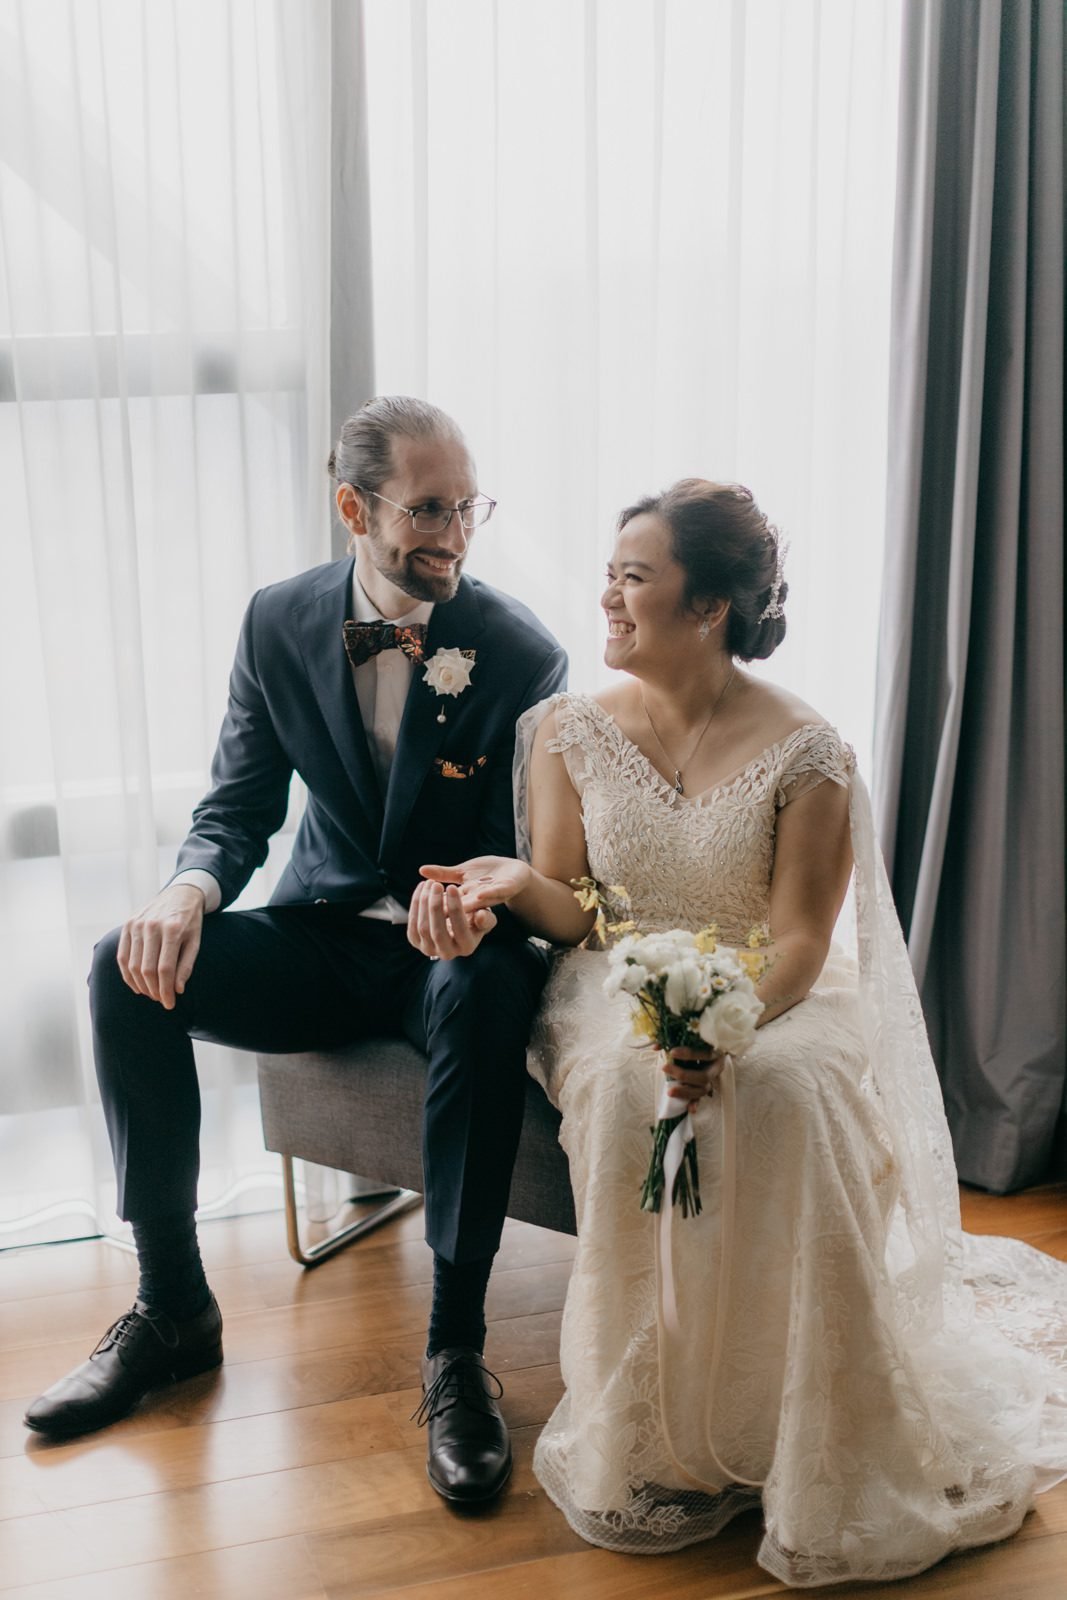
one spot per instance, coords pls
(809, 757)
(569, 740)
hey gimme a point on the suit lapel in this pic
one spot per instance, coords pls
(455, 625)
(319, 630)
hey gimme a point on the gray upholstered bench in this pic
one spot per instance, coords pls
(359, 1109)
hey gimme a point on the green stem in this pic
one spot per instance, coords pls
(686, 1190)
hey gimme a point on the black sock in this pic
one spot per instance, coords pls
(458, 1313)
(172, 1274)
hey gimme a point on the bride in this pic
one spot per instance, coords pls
(822, 1340)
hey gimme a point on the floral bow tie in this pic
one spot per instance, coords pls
(366, 639)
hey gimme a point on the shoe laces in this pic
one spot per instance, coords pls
(125, 1329)
(461, 1381)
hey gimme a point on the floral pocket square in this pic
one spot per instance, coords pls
(458, 769)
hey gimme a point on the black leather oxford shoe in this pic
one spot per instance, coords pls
(469, 1456)
(141, 1351)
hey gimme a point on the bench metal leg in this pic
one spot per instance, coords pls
(394, 1201)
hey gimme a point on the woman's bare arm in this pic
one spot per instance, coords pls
(812, 862)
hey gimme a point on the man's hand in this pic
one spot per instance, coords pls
(692, 1074)
(158, 947)
(440, 925)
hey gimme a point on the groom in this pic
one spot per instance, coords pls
(392, 685)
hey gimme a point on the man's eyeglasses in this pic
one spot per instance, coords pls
(435, 518)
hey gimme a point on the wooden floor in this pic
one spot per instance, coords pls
(295, 1473)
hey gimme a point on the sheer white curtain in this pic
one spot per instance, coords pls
(621, 241)
(630, 241)
(164, 296)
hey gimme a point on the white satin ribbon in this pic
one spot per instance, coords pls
(672, 1160)
(673, 1156)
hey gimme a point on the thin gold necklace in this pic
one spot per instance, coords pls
(679, 786)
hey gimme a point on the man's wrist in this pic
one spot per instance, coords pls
(197, 878)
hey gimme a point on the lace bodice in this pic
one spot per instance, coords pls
(684, 862)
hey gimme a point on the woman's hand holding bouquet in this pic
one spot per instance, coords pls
(689, 996)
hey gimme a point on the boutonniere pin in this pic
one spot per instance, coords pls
(449, 672)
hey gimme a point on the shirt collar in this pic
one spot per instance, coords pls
(364, 609)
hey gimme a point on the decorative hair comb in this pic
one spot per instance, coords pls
(774, 607)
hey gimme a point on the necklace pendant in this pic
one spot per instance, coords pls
(678, 788)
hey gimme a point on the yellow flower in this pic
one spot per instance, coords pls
(757, 938)
(586, 893)
(617, 929)
(754, 964)
(708, 940)
(644, 1026)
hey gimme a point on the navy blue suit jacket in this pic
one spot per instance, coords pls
(293, 707)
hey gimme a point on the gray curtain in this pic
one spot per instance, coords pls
(970, 720)
(351, 303)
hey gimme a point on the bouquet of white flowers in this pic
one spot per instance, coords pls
(686, 990)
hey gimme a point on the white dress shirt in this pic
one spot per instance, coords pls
(382, 685)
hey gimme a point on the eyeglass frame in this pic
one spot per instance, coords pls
(453, 511)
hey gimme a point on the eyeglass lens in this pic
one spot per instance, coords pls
(436, 521)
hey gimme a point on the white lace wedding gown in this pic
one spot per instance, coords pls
(887, 1392)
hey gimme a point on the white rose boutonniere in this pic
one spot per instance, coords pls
(449, 672)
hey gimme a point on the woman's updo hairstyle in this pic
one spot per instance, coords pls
(728, 551)
(363, 456)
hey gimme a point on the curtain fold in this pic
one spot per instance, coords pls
(350, 321)
(165, 280)
(970, 699)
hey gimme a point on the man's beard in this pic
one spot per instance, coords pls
(401, 569)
